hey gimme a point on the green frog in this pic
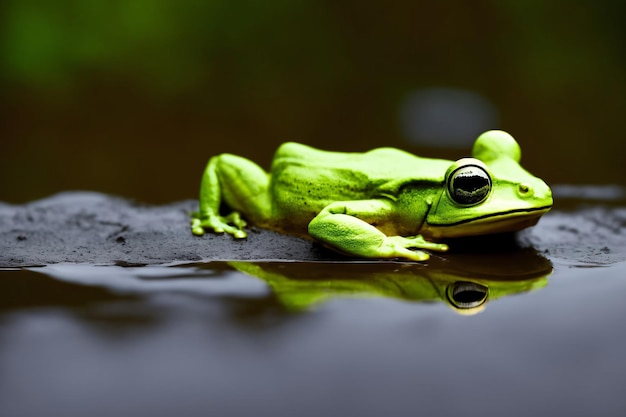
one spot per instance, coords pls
(385, 203)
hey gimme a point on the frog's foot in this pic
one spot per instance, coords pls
(404, 247)
(232, 224)
(419, 242)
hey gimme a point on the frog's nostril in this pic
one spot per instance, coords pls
(524, 190)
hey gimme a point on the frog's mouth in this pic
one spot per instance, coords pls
(502, 222)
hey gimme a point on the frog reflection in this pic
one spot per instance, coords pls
(466, 285)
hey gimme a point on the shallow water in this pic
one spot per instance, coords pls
(530, 331)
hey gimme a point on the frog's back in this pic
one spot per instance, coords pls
(304, 179)
(380, 164)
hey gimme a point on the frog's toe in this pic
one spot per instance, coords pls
(198, 231)
(398, 247)
(234, 231)
(439, 247)
(196, 227)
(225, 225)
(231, 224)
(240, 234)
(416, 255)
(235, 219)
(419, 242)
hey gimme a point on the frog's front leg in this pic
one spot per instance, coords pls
(242, 185)
(348, 227)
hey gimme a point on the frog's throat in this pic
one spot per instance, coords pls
(499, 222)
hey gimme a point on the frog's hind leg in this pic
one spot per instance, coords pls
(245, 187)
(240, 184)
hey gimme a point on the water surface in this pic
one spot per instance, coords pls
(201, 341)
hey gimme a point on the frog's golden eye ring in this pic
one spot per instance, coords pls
(467, 297)
(469, 184)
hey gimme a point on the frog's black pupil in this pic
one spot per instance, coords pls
(470, 185)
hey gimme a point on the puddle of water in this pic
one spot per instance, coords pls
(313, 339)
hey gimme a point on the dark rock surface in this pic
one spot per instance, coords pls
(88, 227)
(94, 228)
(588, 235)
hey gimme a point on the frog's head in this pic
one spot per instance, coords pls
(488, 193)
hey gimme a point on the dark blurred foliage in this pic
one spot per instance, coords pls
(133, 97)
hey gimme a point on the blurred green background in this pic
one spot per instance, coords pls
(132, 97)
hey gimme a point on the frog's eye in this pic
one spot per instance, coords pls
(469, 185)
(466, 295)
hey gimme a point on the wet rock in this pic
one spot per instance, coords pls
(591, 235)
(88, 227)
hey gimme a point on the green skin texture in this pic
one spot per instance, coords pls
(385, 203)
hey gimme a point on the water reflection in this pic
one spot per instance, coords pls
(466, 282)
(184, 339)
(465, 285)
